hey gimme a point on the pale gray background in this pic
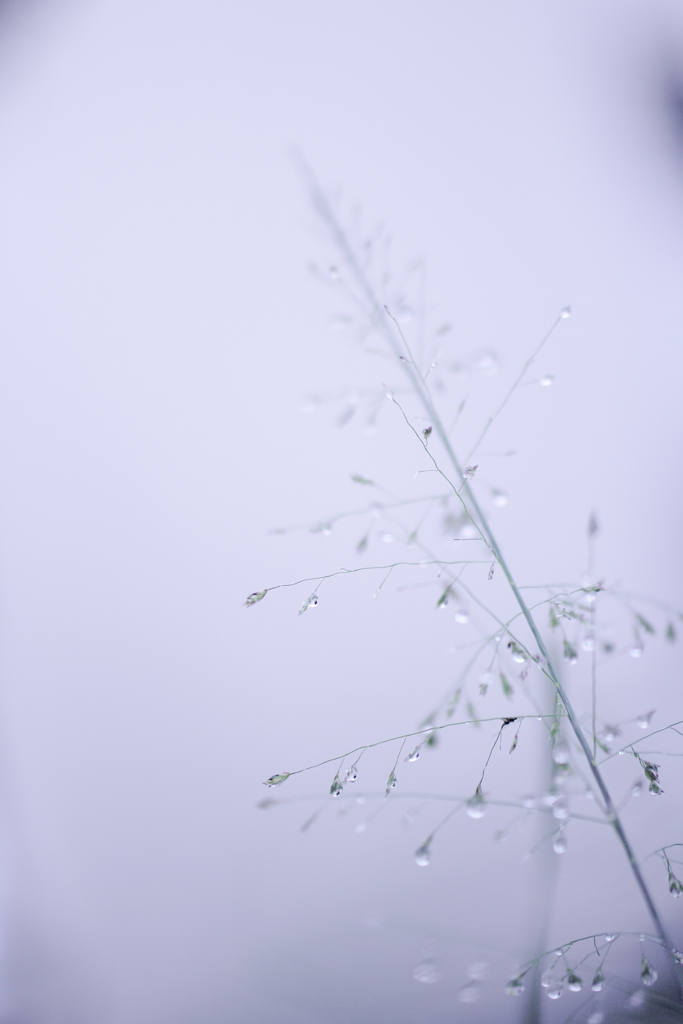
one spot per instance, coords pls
(160, 335)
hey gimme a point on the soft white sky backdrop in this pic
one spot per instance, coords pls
(161, 333)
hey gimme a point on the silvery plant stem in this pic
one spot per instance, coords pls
(381, 319)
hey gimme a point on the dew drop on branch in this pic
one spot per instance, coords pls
(648, 974)
(310, 602)
(561, 808)
(461, 616)
(636, 651)
(548, 977)
(555, 990)
(351, 774)
(565, 312)
(277, 780)
(546, 381)
(423, 854)
(598, 982)
(560, 751)
(644, 720)
(574, 982)
(427, 972)
(560, 842)
(476, 806)
(469, 993)
(414, 753)
(514, 987)
(391, 783)
(336, 788)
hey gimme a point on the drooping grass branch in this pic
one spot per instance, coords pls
(388, 326)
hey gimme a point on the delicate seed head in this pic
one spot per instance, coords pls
(254, 598)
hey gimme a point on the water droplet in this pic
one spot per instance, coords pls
(637, 788)
(598, 982)
(560, 751)
(310, 602)
(461, 616)
(391, 783)
(561, 808)
(478, 971)
(486, 363)
(547, 978)
(469, 993)
(469, 472)
(560, 842)
(414, 753)
(574, 983)
(635, 651)
(555, 990)
(636, 999)
(423, 854)
(515, 987)
(564, 313)
(528, 801)
(597, 1017)
(352, 774)
(336, 788)
(427, 972)
(610, 936)
(678, 957)
(648, 974)
(519, 657)
(546, 381)
(388, 538)
(500, 499)
(476, 807)
(588, 642)
(644, 720)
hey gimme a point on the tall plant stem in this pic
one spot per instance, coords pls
(382, 320)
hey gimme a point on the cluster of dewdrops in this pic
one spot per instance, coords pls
(555, 981)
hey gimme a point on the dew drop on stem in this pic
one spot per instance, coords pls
(561, 808)
(336, 788)
(565, 312)
(427, 972)
(414, 753)
(574, 982)
(598, 982)
(555, 990)
(547, 977)
(476, 806)
(560, 842)
(461, 616)
(515, 987)
(352, 774)
(644, 720)
(560, 751)
(423, 854)
(648, 974)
